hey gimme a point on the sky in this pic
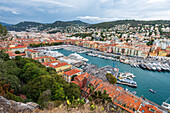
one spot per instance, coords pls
(90, 11)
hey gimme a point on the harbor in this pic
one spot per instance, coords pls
(146, 64)
(144, 78)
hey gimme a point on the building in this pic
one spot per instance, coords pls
(68, 75)
(60, 67)
(31, 53)
(45, 59)
(125, 50)
(18, 48)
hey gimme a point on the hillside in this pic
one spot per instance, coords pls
(131, 22)
(23, 26)
(5, 24)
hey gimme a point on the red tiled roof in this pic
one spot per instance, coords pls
(59, 65)
(18, 47)
(146, 107)
(31, 50)
(72, 72)
(44, 57)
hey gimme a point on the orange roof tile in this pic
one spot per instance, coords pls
(72, 72)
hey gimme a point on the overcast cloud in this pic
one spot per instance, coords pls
(91, 11)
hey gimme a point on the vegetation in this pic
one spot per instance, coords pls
(132, 23)
(45, 44)
(31, 78)
(111, 78)
(83, 35)
(150, 42)
(3, 32)
(17, 52)
(23, 26)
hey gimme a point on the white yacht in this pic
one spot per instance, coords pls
(166, 105)
(78, 57)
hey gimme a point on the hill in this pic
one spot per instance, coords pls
(23, 26)
(5, 24)
(133, 23)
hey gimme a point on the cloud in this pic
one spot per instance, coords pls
(7, 9)
(95, 18)
(92, 11)
(51, 2)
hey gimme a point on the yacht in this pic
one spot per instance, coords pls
(142, 66)
(127, 74)
(166, 104)
(151, 90)
(147, 66)
(78, 57)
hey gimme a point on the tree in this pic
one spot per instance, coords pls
(71, 90)
(39, 84)
(111, 78)
(4, 55)
(3, 31)
(17, 52)
(72, 78)
(44, 98)
(31, 71)
(8, 73)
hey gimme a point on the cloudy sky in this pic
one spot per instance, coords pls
(91, 11)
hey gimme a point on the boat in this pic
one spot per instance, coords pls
(142, 66)
(134, 92)
(151, 90)
(166, 104)
(147, 66)
(78, 57)
(127, 74)
(127, 82)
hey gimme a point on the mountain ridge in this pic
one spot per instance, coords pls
(133, 23)
(23, 26)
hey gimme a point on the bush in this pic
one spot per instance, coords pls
(90, 98)
(17, 52)
(111, 78)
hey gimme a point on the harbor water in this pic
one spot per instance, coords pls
(158, 81)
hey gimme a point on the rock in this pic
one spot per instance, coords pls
(8, 106)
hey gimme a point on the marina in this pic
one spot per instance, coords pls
(145, 79)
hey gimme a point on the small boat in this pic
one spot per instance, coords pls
(142, 66)
(134, 92)
(151, 90)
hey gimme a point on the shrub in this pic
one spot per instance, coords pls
(17, 52)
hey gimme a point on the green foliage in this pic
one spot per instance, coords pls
(72, 90)
(111, 78)
(133, 23)
(72, 78)
(99, 97)
(17, 52)
(83, 35)
(4, 56)
(44, 98)
(90, 98)
(150, 42)
(7, 92)
(31, 71)
(38, 83)
(8, 73)
(3, 31)
(45, 44)
(92, 107)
